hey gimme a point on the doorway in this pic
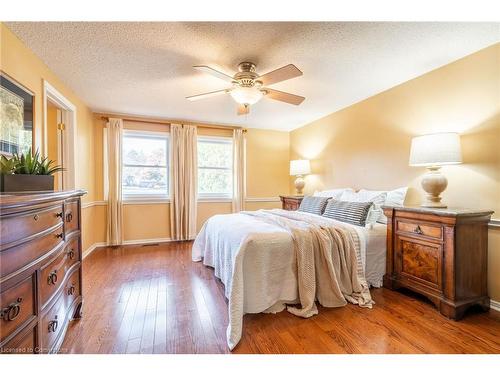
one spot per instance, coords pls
(55, 139)
(59, 135)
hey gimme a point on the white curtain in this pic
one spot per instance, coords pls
(184, 165)
(114, 132)
(239, 170)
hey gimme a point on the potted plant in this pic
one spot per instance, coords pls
(27, 172)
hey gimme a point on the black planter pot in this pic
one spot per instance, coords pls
(26, 182)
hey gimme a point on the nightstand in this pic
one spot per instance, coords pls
(441, 254)
(291, 202)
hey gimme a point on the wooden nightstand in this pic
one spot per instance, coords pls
(440, 253)
(291, 202)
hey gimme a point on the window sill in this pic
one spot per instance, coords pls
(139, 201)
(214, 200)
(144, 200)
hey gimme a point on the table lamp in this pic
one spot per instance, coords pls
(299, 168)
(433, 151)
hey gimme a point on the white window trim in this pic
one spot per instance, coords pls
(217, 197)
(150, 198)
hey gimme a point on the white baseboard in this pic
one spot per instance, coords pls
(87, 252)
(494, 305)
(91, 248)
(147, 241)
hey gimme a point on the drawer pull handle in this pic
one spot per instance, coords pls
(52, 278)
(36, 217)
(71, 254)
(69, 217)
(418, 230)
(53, 325)
(59, 235)
(71, 290)
(12, 311)
(59, 214)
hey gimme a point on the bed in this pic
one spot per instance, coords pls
(264, 278)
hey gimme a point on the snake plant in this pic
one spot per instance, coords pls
(28, 163)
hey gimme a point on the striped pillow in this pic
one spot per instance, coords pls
(348, 212)
(313, 205)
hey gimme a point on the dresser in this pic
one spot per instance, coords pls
(291, 202)
(40, 269)
(441, 254)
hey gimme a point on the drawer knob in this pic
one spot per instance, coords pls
(59, 235)
(71, 254)
(36, 217)
(53, 325)
(71, 290)
(418, 230)
(69, 217)
(52, 278)
(59, 214)
(12, 311)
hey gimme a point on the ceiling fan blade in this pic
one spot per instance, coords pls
(243, 109)
(282, 74)
(214, 72)
(284, 96)
(207, 95)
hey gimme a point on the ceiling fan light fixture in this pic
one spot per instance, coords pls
(246, 95)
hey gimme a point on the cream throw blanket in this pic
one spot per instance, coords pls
(251, 253)
(329, 266)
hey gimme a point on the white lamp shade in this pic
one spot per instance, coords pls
(435, 150)
(246, 95)
(299, 167)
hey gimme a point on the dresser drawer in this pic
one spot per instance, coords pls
(18, 227)
(72, 289)
(420, 229)
(17, 306)
(53, 274)
(71, 218)
(15, 258)
(420, 261)
(53, 322)
(24, 342)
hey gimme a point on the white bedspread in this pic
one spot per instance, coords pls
(255, 261)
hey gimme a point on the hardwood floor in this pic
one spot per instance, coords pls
(154, 299)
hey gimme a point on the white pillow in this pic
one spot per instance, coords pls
(394, 198)
(376, 197)
(333, 193)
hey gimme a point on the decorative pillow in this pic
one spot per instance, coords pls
(377, 197)
(348, 212)
(313, 205)
(333, 193)
(394, 198)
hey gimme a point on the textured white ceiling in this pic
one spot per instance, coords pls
(145, 68)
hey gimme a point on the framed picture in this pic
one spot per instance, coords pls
(17, 115)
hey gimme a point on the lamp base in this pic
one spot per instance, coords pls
(299, 185)
(434, 183)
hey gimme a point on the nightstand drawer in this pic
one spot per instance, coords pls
(420, 261)
(420, 229)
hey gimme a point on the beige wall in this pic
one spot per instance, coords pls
(367, 144)
(267, 157)
(24, 66)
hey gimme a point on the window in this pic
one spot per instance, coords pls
(145, 165)
(215, 167)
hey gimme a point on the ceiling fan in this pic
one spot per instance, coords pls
(248, 86)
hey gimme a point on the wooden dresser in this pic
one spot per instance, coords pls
(440, 253)
(291, 202)
(40, 269)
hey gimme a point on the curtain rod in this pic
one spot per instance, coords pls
(164, 122)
